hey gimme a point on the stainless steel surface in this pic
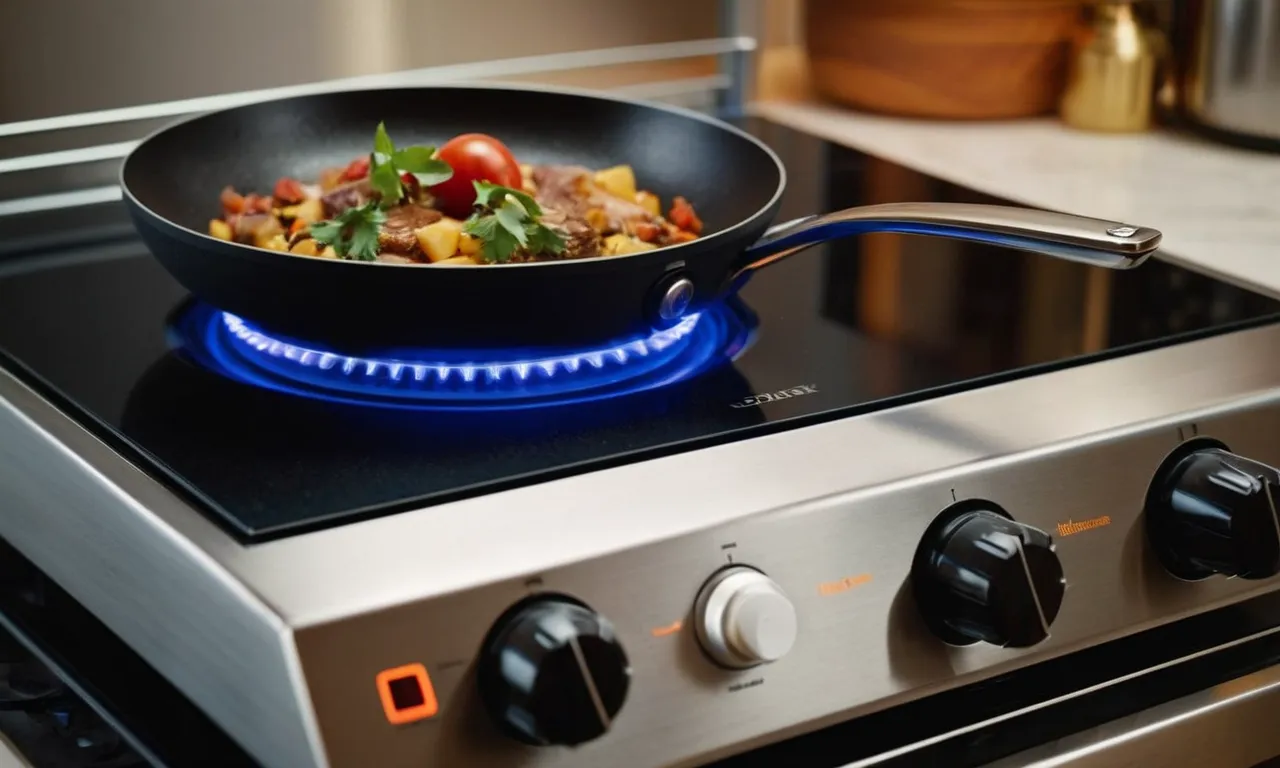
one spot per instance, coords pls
(735, 634)
(1232, 725)
(738, 18)
(676, 299)
(1229, 54)
(62, 135)
(46, 180)
(1014, 714)
(832, 512)
(1074, 238)
(142, 576)
(141, 51)
(480, 70)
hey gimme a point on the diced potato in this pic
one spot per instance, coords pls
(263, 236)
(439, 240)
(219, 229)
(276, 243)
(468, 245)
(310, 211)
(456, 261)
(619, 181)
(330, 178)
(310, 247)
(649, 201)
(307, 247)
(620, 245)
(527, 184)
(597, 218)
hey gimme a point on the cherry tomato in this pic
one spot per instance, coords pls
(257, 203)
(646, 231)
(358, 169)
(473, 157)
(288, 191)
(684, 217)
(232, 201)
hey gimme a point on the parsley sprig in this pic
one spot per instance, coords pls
(386, 164)
(354, 232)
(506, 220)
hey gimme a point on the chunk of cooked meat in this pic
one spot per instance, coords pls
(580, 238)
(397, 234)
(346, 196)
(570, 188)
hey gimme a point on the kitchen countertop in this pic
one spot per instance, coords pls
(1219, 207)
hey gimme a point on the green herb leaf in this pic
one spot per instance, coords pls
(492, 195)
(384, 179)
(512, 217)
(481, 227)
(422, 163)
(382, 142)
(431, 178)
(511, 222)
(352, 233)
(415, 159)
(328, 232)
(497, 243)
(543, 239)
(364, 239)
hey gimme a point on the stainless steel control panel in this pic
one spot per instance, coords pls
(673, 610)
(784, 621)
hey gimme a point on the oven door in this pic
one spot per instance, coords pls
(1235, 724)
(1200, 692)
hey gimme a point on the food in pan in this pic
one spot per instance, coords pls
(470, 202)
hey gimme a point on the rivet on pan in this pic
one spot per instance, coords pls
(676, 299)
(1124, 231)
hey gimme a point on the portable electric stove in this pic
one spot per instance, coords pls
(893, 497)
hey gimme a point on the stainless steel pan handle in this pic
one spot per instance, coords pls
(1076, 238)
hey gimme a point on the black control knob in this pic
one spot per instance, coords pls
(978, 575)
(552, 672)
(1211, 511)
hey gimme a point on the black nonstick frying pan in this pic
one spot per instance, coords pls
(173, 178)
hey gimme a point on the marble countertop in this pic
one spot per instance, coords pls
(1219, 207)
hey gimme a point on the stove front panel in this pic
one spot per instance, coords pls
(844, 563)
(323, 645)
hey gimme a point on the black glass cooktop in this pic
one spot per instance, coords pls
(858, 325)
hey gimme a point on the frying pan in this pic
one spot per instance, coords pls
(172, 180)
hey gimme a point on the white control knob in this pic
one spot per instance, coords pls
(743, 618)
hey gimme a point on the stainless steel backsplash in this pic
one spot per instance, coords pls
(66, 56)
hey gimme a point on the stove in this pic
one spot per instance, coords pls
(898, 480)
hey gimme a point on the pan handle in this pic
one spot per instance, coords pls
(1076, 238)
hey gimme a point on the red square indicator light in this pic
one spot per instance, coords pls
(407, 694)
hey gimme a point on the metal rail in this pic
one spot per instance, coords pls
(53, 175)
(483, 70)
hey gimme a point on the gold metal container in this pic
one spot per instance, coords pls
(1111, 73)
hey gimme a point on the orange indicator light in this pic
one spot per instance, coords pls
(407, 694)
(669, 629)
(828, 588)
(1072, 527)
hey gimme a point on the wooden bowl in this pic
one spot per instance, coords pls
(958, 59)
